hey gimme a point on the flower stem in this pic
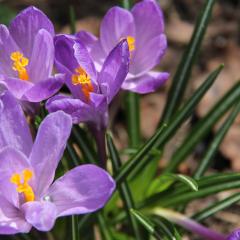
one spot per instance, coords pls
(99, 134)
(133, 119)
(75, 232)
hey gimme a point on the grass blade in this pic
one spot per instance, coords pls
(183, 73)
(216, 207)
(126, 4)
(207, 186)
(166, 228)
(133, 119)
(146, 223)
(201, 129)
(165, 132)
(186, 197)
(123, 188)
(138, 158)
(206, 161)
(82, 141)
(72, 19)
(105, 231)
(164, 181)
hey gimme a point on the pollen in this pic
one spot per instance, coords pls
(19, 65)
(21, 181)
(82, 78)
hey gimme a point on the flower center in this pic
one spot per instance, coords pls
(82, 78)
(19, 65)
(21, 181)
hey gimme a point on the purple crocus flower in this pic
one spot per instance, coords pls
(92, 92)
(234, 235)
(143, 27)
(27, 57)
(28, 195)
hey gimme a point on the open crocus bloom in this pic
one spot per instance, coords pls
(143, 27)
(28, 195)
(27, 57)
(92, 92)
(234, 235)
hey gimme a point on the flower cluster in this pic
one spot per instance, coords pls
(94, 70)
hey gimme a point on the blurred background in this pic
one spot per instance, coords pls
(221, 45)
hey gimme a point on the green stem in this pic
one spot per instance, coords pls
(133, 119)
(72, 20)
(123, 188)
(75, 232)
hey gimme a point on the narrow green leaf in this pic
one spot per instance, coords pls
(104, 229)
(81, 138)
(166, 228)
(184, 70)
(159, 184)
(207, 186)
(186, 197)
(133, 119)
(138, 158)
(75, 231)
(126, 4)
(216, 207)
(73, 155)
(143, 220)
(165, 132)
(201, 129)
(164, 181)
(206, 161)
(72, 19)
(123, 188)
(144, 178)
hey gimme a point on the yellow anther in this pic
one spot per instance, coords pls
(27, 175)
(23, 186)
(19, 65)
(131, 43)
(82, 78)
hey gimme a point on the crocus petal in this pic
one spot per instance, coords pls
(72, 54)
(234, 235)
(41, 61)
(117, 24)
(83, 189)
(44, 89)
(77, 109)
(14, 130)
(17, 87)
(87, 38)
(148, 56)
(7, 46)
(25, 27)
(150, 40)
(11, 219)
(41, 215)
(94, 48)
(146, 83)
(48, 148)
(114, 70)
(12, 162)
